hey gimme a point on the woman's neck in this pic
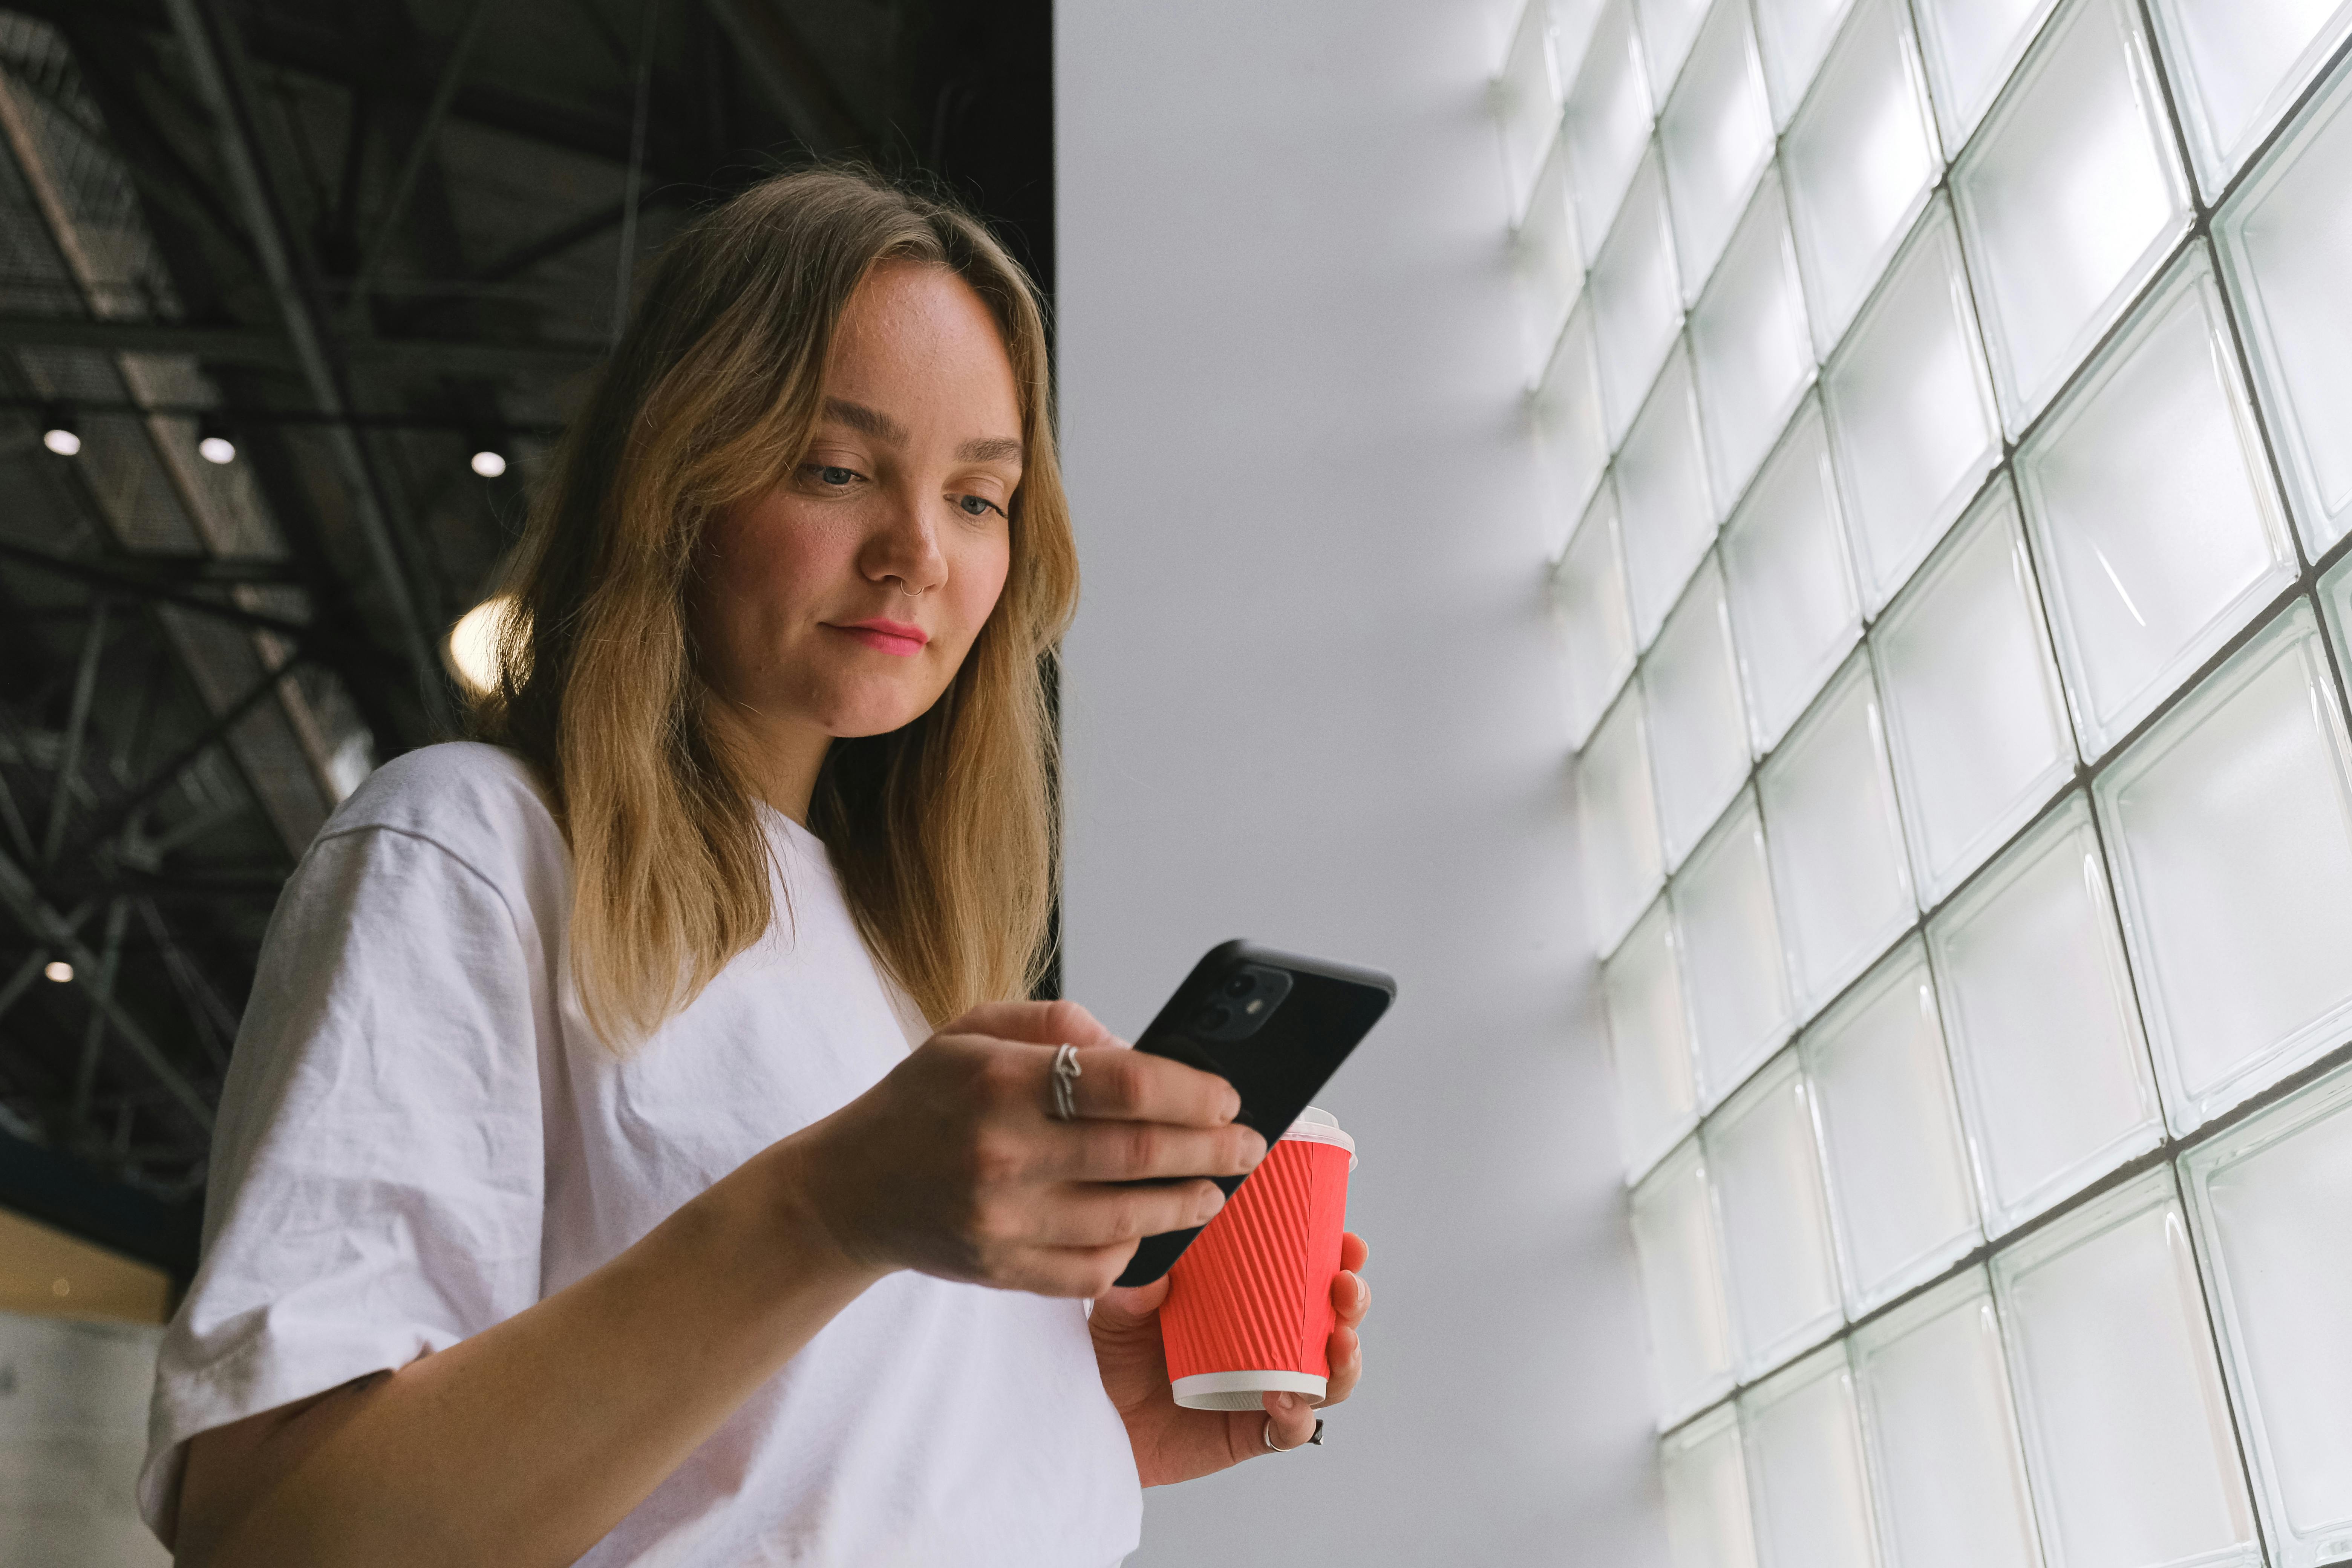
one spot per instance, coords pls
(781, 759)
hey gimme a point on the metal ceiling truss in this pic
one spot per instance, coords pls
(363, 251)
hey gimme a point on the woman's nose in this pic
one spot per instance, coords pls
(907, 549)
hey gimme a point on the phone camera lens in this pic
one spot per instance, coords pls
(1241, 986)
(1215, 1018)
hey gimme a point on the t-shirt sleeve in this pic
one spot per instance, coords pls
(376, 1192)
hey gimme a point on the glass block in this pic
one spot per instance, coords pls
(1608, 118)
(2286, 243)
(1793, 36)
(1781, 1265)
(1618, 818)
(2127, 1434)
(2152, 510)
(2053, 1072)
(2268, 1199)
(1910, 411)
(2335, 604)
(1572, 24)
(1707, 1495)
(1738, 982)
(1859, 162)
(1571, 443)
(2069, 199)
(1636, 302)
(1667, 514)
(2236, 65)
(1901, 1202)
(1970, 47)
(1649, 1041)
(1838, 862)
(1668, 30)
(1974, 718)
(1526, 100)
(1794, 613)
(1682, 1284)
(1717, 135)
(2230, 823)
(1947, 1475)
(1590, 613)
(1698, 736)
(1750, 344)
(1544, 254)
(1809, 1480)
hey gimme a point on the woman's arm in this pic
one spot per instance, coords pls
(527, 1443)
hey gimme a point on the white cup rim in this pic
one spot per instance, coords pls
(1316, 1125)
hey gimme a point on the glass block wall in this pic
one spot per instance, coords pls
(1946, 408)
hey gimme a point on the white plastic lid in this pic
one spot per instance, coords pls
(1316, 1125)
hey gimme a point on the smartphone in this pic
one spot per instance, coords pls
(1273, 1024)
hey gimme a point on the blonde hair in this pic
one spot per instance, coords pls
(943, 832)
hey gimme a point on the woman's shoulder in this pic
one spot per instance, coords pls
(482, 804)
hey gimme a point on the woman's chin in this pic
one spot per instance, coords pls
(875, 713)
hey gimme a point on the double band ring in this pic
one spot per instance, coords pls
(1313, 1438)
(1064, 1084)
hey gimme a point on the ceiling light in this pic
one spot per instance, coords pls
(472, 646)
(212, 442)
(59, 433)
(58, 970)
(489, 462)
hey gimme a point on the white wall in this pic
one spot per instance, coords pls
(1310, 700)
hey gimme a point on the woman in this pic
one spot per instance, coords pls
(576, 1190)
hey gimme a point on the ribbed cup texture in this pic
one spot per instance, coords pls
(1253, 1293)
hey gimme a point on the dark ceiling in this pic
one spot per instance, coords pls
(362, 240)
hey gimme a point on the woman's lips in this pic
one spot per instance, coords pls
(888, 636)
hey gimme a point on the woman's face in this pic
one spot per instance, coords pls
(842, 602)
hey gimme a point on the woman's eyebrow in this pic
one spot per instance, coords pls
(882, 428)
(865, 421)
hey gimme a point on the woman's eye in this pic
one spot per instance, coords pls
(977, 506)
(827, 474)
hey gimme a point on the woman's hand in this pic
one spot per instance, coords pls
(951, 1165)
(1173, 1444)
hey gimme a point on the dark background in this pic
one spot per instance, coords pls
(363, 240)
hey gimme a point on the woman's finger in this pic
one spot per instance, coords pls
(1354, 1252)
(1081, 1273)
(1345, 1352)
(1128, 1307)
(1289, 1419)
(1352, 1298)
(1100, 1150)
(1119, 1083)
(1096, 1215)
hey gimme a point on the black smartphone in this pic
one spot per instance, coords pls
(1273, 1024)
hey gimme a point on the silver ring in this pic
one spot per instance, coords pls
(1064, 1078)
(1314, 1438)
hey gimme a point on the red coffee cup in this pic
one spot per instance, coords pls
(1249, 1303)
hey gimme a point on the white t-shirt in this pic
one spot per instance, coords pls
(420, 1137)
